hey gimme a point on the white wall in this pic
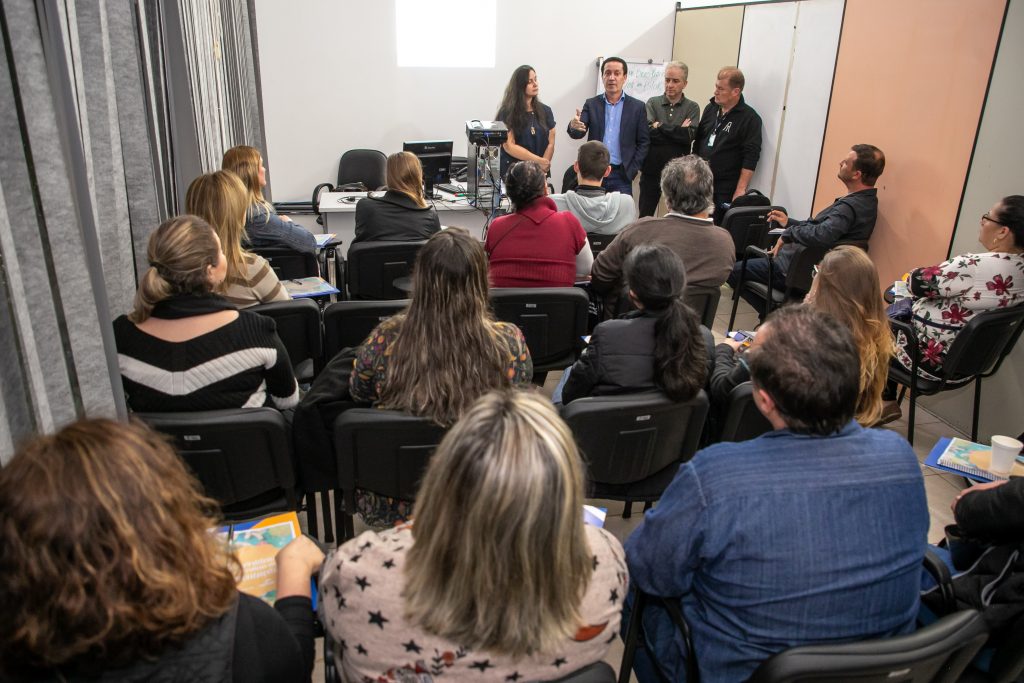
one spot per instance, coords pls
(330, 80)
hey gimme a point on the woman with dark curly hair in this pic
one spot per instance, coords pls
(538, 245)
(109, 568)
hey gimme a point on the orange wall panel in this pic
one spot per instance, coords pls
(910, 78)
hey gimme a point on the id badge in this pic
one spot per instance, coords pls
(711, 140)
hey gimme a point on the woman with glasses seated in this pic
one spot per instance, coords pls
(497, 578)
(947, 296)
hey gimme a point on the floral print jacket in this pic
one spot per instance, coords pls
(948, 295)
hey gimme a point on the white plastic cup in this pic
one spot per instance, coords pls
(1004, 453)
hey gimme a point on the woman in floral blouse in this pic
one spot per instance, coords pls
(442, 353)
(947, 296)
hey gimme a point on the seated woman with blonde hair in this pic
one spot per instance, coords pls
(845, 287)
(186, 348)
(263, 227)
(401, 215)
(497, 578)
(219, 198)
(109, 570)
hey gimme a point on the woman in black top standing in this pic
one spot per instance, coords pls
(401, 215)
(531, 124)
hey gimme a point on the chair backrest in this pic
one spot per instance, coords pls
(938, 652)
(569, 179)
(704, 302)
(598, 672)
(748, 225)
(742, 418)
(366, 166)
(979, 348)
(349, 323)
(801, 271)
(383, 451)
(289, 264)
(373, 268)
(301, 332)
(598, 243)
(633, 443)
(241, 456)
(553, 320)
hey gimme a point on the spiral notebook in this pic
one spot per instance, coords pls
(968, 458)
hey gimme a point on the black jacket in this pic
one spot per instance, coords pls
(737, 143)
(994, 584)
(394, 218)
(619, 359)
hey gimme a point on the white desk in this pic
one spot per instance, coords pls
(339, 212)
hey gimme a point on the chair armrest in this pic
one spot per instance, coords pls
(938, 570)
(756, 252)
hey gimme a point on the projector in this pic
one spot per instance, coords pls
(486, 132)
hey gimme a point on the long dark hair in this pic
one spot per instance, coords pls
(657, 278)
(448, 352)
(512, 110)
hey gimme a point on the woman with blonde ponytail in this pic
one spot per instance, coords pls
(219, 198)
(184, 347)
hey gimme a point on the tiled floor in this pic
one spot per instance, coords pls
(941, 488)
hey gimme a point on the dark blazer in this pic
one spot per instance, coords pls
(634, 134)
(394, 218)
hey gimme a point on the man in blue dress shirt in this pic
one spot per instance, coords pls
(812, 533)
(620, 122)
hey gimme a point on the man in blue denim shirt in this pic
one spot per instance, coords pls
(812, 533)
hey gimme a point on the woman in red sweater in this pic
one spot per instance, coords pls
(537, 246)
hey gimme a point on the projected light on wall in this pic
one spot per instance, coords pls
(446, 33)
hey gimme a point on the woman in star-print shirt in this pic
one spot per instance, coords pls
(947, 296)
(497, 578)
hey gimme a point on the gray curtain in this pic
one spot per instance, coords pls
(99, 136)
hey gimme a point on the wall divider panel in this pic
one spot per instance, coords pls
(910, 78)
(707, 40)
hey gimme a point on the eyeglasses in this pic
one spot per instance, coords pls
(814, 272)
(986, 217)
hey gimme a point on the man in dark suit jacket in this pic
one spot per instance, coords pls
(620, 122)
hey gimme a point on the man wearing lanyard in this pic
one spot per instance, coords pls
(620, 122)
(729, 137)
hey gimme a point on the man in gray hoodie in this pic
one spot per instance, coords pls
(601, 212)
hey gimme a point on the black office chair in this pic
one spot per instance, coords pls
(633, 444)
(349, 323)
(553, 320)
(382, 451)
(743, 420)
(300, 330)
(569, 179)
(289, 264)
(764, 297)
(704, 302)
(977, 352)
(598, 672)
(937, 653)
(372, 268)
(242, 457)
(598, 243)
(360, 170)
(748, 226)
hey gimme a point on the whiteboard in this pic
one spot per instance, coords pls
(644, 78)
